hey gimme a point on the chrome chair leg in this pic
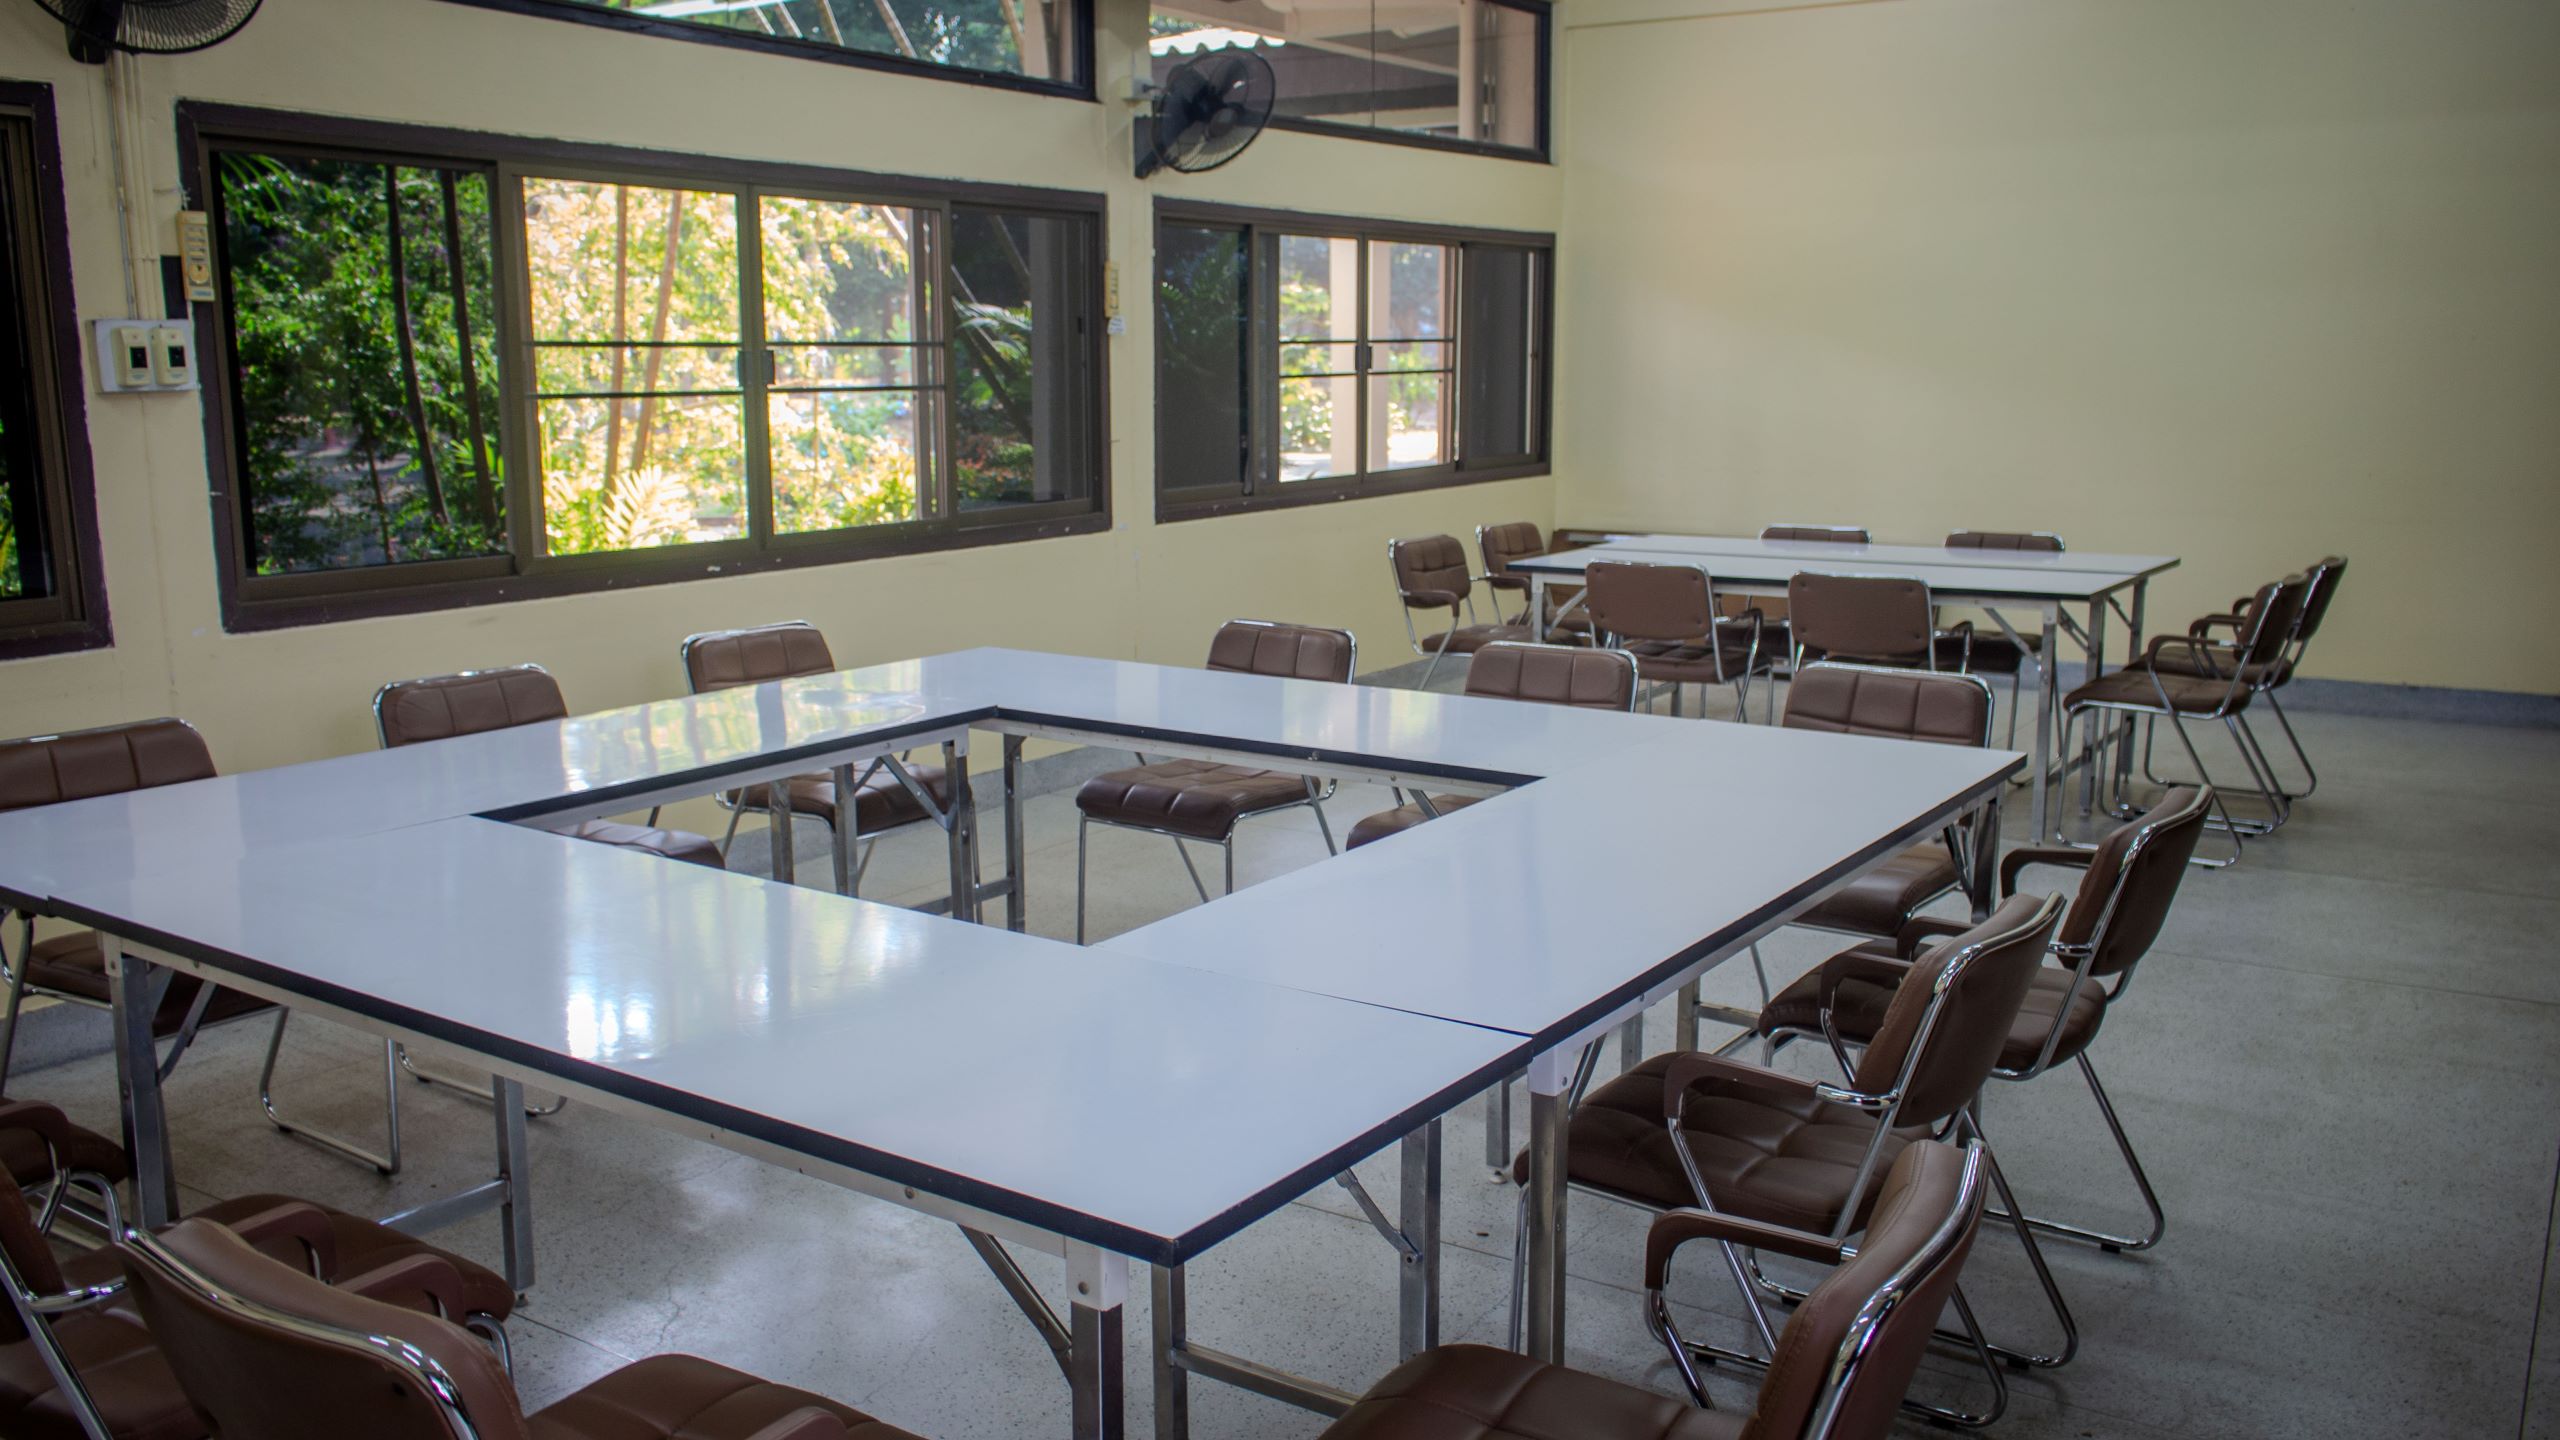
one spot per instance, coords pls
(1084, 826)
(470, 1088)
(17, 1003)
(2285, 723)
(1428, 670)
(2112, 1244)
(1229, 845)
(387, 1164)
(1185, 852)
(730, 834)
(1322, 825)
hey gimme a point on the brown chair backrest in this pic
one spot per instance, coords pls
(442, 706)
(1502, 544)
(2271, 615)
(1850, 1350)
(1292, 652)
(2125, 893)
(2315, 601)
(2005, 540)
(1431, 572)
(1824, 534)
(1885, 619)
(1554, 675)
(1942, 1060)
(1895, 704)
(725, 659)
(1649, 602)
(109, 760)
(266, 1351)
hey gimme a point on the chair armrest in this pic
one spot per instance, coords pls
(411, 1280)
(37, 1118)
(2059, 855)
(1432, 599)
(1675, 1228)
(297, 1220)
(806, 1423)
(1691, 1070)
(2202, 629)
(1926, 927)
(2205, 651)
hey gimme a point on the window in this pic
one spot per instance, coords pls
(51, 598)
(1463, 73)
(1303, 359)
(1041, 45)
(458, 368)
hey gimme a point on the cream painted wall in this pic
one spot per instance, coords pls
(2244, 280)
(1141, 590)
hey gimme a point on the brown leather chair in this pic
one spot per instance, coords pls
(1868, 620)
(75, 1356)
(1431, 573)
(1817, 534)
(1798, 1155)
(1500, 545)
(726, 659)
(2217, 660)
(264, 1350)
(1510, 670)
(2126, 887)
(1667, 617)
(2149, 691)
(407, 712)
(1984, 653)
(1846, 1357)
(1206, 800)
(72, 967)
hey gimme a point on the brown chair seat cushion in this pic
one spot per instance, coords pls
(1678, 662)
(679, 1397)
(74, 965)
(115, 1357)
(1401, 819)
(1468, 639)
(881, 803)
(1868, 985)
(1788, 1159)
(2133, 687)
(681, 845)
(364, 1245)
(22, 1154)
(1475, 1392)
(1880, 901)
(1199, 798)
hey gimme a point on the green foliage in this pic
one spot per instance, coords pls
(969, 34)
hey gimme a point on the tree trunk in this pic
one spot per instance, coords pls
(621, 330)
(485, 490)
(426, 445)
(658, 329)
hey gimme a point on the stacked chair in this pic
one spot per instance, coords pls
(1431, 575)
(1501, 546)
(2218, 658)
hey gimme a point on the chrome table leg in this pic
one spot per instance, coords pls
(134, 988)
(1016, 917)
(515, 1203)
(1099, 1282)
(1418, 1296)
(1550, 1078)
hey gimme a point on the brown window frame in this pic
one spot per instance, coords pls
(253, 602)
(1078, 86)
(74, 616)
(1260, 488)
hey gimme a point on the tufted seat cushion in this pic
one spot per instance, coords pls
(1474, 1392)
(2133, 687)
(1198, 798)
(115, 1357)
(1882, 900)
(74, 965)
(1784, 1157)
(358, 1245)
(1869, 974)
(680, 1397)
(2216, 665)
(881, 803)
(681, 845)
(1675, 662)
(1468, 639)
(1401, 819)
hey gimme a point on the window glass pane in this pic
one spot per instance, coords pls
(23, 570)
(1204, 295)
(1409, 411)
(1022, 361)
(362, 340)
(641, 416)
(1319, 283)
(845, 416)
(1009, 37)
(1498, 367)
(1459, 69)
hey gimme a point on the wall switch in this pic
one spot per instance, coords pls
(195, 253)
(173, 357)
(145, 355)
(129, 356)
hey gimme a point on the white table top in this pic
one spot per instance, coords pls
(1944, 577)
(1148, 1109)
(1751, 546)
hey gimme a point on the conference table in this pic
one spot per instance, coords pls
(2041, 588)
(1139, 1100)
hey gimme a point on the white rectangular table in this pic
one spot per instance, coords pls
(1145, 1099)
(2043, 584)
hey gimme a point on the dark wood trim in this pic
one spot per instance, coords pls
(1309, 222)
(88, 626)
(1079, 87)
(1173, 505)
(269, 602)
(1416, 139)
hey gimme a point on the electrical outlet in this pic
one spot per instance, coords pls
(145, 356)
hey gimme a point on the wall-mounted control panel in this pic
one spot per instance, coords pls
(146, 355)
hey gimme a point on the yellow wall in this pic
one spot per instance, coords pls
(1142, 591)
(2243, 280)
